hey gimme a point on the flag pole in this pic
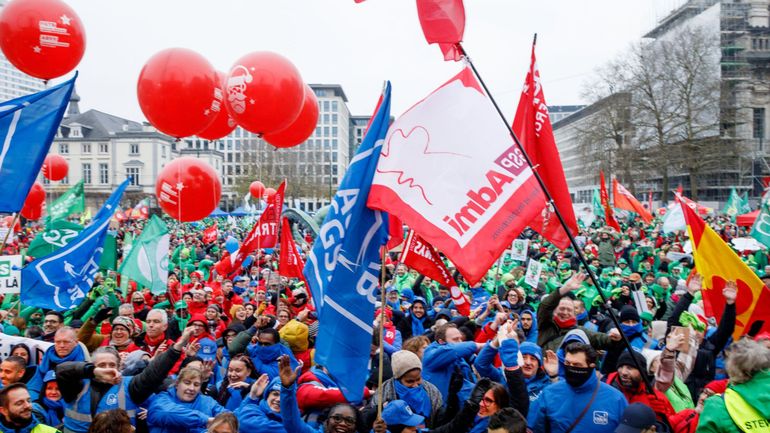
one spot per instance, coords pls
(10, 230)
(382, 332)
(552, 204)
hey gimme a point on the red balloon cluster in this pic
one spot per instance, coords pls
(42, 38)
(257, 189)
(33, 205)
(55, 167)
(188, 189)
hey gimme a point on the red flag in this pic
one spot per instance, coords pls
(609, 216)
(443, 23)
(395, 231)
(533, 127)
(679, 190)
(290, 263)
(625, 200)
(210, 234)
(264, 234)
(422, 257)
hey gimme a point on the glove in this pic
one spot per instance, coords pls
(102, 315)
(481, 388)
(456, 382)
(509, 353)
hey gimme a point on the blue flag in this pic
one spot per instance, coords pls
(27, 127)
(343, 270)
(60, 280)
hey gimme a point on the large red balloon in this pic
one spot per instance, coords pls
(55, 167)
(188, 189)
(264, 92)
(301, 128)
(257, 189)
(32, 212)
(270, 192)
(179, 92)
(43, 38)
(35, 196)
(223, 124)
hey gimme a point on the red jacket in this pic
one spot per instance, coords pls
(657, 401)
(312, 395)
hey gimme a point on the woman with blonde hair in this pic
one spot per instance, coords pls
(182, 408)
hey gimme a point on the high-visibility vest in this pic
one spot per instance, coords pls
(748, 419)
(77, 415)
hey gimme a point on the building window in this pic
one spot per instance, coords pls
(335, 106)
(104, 148)
(75, 132)
(133, 173)
(334, 117)
(326, 118)
(326, 105)
(87, 174)
(163, 150)
(64, 148)
(759, 124)
(85, 148)
(133, 149)
(104, 174)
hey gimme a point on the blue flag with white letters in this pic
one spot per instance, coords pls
(343, 270)
(27, 127)
(60, 280)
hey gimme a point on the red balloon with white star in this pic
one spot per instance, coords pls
(188, 189)
(43, 38)
(55, 167)
(264, 92)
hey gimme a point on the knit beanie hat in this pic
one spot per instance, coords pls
(529, 348)
(629, 313)
(403, 362)
(627, 358)
(124, 322)
(295, 334)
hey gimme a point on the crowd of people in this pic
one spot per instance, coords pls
(230, 353)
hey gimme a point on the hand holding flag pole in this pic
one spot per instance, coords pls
(549, 198)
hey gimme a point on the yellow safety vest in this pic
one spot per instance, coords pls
(748, 419)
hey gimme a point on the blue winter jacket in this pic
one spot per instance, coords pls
(439, 362)
(256, 416)
(265, 358)
(292, 421)
(484, 364)
(167, 414)
(560, 404)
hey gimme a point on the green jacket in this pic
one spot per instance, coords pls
(549, 335)
(756, 392)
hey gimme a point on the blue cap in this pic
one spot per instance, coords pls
(238, 279)
(529, 348)
(636, 417)
(391, 289)
(49, 376)
(420, 299)
(408, 294)
(398, 412)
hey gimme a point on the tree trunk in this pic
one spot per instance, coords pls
(694, 184)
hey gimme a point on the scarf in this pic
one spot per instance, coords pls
(564, 324)
(480, 425)
(268, 354)
(390, 333)
(51, 359)
(631, 330)
(54, 411)
(418, 327)
(324, 378)
(417, 398)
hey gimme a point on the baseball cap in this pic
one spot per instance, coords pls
(398, 412)
(637, 417)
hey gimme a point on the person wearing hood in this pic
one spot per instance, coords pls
(266, 351)
(295, 334)
(628, 380)
(261, 412)
(201, 336)
(49, 408)
(392, 339)
(417, 321)
(528, 324)
(556, 317)
(580, 402)
(182, 408)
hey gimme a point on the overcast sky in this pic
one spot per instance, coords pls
(360, 45)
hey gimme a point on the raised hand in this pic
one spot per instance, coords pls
(730, 292)
(551, 363)
(107, 375)
(258, 388)
(695, 284)
(288, 376)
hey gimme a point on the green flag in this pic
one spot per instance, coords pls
(55, 236)
(745, 207)
(732, 207)
(72, 201)
(597, 203)
(147, 262)
(109, 260)
(761, 228)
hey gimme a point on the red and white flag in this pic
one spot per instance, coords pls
(608, 214)
(533, 128)
(395, 231)
(468, 200)
(211, 234)
(290, 264)
(422, 257)
(264, 234)
(625, 200)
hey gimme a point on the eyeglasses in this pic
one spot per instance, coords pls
(488, 400)
(342, 419)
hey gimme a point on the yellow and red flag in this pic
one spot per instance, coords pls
(718, 263)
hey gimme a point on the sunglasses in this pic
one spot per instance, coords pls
(342, 419)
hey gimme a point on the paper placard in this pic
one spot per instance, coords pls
(532, 277)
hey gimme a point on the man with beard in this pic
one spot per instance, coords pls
(628, 380)
(580, 403)
(16, 410)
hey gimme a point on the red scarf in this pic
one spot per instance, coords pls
(564, 324)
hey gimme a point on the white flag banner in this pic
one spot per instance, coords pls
(519, 250)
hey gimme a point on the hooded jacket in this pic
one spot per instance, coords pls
(439, 362)
(256, 415)
(755, 392)
(166, 413)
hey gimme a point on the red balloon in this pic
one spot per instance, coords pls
(32, 212)
(301, 128)
(257, 189)
(179, 92)
(264, 92)
(269, 193)
(223, 124)
(43, 38)
(8, 220)
(35, 196)
(188, 189)
(55, 167)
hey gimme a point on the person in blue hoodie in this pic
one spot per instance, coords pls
(417, 321)
(49, 408)
(579, 403)
(445, 356)
(232, 390)
(182, 408)
(262, 412)
(266, 351)
(528, 324)
(535, 376)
